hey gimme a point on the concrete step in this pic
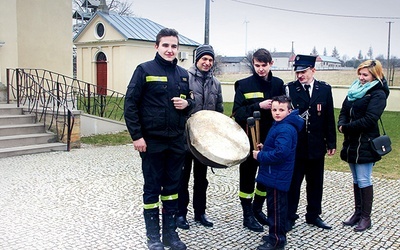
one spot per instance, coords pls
(26, 139)
(32, 149)
(19, 129)
(16, 119)
(10, 109)
(20, 135)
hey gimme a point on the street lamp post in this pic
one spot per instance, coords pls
(207, 23)
(388, 56)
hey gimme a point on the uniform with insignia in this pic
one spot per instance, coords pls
(317, 136)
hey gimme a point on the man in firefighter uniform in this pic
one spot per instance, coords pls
(314, 100)
(254, 93)
(156, 107)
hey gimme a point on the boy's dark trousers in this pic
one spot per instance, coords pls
(277, 216)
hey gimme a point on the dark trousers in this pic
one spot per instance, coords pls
(200, 184)
(162, 165)
(277, 204)
(313, 171)
(247, 176)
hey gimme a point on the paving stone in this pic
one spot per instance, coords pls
(91, 198)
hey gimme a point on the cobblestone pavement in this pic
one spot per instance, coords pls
(91, 198)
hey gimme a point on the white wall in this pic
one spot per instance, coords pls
(339, 93)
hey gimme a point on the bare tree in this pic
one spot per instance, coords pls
(249, 60)
(83, 11)
(121, 7)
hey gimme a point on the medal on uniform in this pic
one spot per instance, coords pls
(319, 107)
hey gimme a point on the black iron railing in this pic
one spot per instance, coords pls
(53, 97)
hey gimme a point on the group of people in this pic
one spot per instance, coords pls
(297, 128)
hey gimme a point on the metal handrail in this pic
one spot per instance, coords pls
(53, 97)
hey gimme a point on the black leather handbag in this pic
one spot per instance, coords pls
(382, 144)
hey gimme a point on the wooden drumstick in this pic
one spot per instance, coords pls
(257, 118)
(251, 124)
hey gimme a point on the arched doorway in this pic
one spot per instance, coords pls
(101, 70)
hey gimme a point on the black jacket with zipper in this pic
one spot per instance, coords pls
(359, 121)
(149, 111)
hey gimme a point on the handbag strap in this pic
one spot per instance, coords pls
(384, 132)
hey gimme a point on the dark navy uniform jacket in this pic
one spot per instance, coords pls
(149, 111)
(319, 131)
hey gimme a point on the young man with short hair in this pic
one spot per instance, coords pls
(254, 93)
(157, 104)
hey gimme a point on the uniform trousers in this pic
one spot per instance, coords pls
(200, 184)
(248, 170)
(313, 171)
(162, 165)
(277, 205)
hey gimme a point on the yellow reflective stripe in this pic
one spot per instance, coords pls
(254, 95)
(183, 96)
(169, 197)
(245, 195)
(151, 206)
(261, 193)
(156, 79)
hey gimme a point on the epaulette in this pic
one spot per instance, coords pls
(289, 83)
(322, 82)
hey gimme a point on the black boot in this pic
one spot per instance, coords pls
(248, 219)
(355, 218)
(182, 222)
(170, 237)
(367, 196)
(152, 221)
(257, 210)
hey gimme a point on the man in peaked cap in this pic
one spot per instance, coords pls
(208, 96)
(314, 100)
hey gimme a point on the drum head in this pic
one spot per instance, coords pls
(216, 140)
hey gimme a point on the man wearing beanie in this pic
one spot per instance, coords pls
(254, 93)
(207, 95)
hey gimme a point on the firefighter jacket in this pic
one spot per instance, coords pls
(149, 110)
(249, 92)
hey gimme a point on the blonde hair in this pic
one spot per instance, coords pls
(374, 67)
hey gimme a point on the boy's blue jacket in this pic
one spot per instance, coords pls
(278, 153)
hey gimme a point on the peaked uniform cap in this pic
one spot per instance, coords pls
(303, 62)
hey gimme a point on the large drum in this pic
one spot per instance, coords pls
(216, 140)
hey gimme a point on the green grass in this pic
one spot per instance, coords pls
(120, 138)
(387, 168)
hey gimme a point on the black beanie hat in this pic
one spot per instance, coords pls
(204, 49)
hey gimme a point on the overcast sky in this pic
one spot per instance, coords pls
(237, 26)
